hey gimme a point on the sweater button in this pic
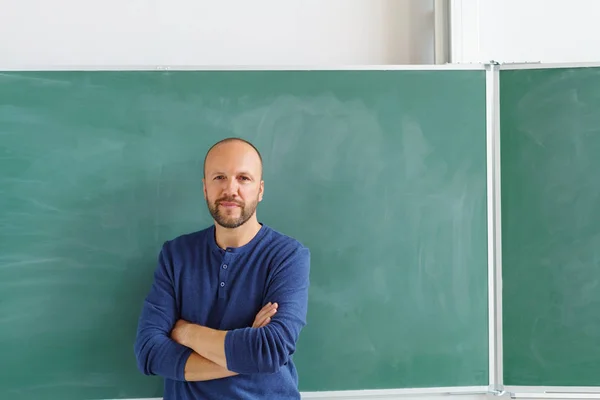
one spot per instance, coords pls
(222, 284)
(224, 266)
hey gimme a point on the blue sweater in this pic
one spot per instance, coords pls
(199, 282)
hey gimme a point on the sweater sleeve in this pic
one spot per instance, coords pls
(156, 353)
(267, 349)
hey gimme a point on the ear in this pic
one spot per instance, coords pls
(261, 190)
(204, 188)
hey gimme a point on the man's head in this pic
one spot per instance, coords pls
(233, 184)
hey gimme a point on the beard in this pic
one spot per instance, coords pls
(229, 221)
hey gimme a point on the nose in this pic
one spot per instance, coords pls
(231, 187)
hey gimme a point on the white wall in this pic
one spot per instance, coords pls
(548, 31)
(45, 33)
(76, 33)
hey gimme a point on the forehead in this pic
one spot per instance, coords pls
(232, 157)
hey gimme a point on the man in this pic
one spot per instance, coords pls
(227, 303)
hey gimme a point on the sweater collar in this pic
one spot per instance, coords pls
(237, 250)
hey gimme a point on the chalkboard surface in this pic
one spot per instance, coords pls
(550, 133)
(381, 173)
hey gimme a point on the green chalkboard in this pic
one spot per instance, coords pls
(381, 173)
(550, 135)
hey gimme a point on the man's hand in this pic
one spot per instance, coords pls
(180, 332)
(264, 315)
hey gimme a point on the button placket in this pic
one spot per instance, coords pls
(223, 269)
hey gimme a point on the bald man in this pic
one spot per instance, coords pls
(228, 302)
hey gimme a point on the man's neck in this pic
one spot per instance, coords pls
(236, 237)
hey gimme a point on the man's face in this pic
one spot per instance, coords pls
(232, 183)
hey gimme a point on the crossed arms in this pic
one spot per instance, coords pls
(175, 349)
(200, 368)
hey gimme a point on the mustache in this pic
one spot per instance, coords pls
(229, 200)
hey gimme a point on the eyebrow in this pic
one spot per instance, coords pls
(237, 173)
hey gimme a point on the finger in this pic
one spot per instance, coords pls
(260, 319)
(270, 311)
(260, 323)
(265, 322)
(264, 318)
(265, 311)
(265, 308)
(262, 314)
(270, 314)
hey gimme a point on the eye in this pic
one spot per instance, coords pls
(244, 178)
(219, 177)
